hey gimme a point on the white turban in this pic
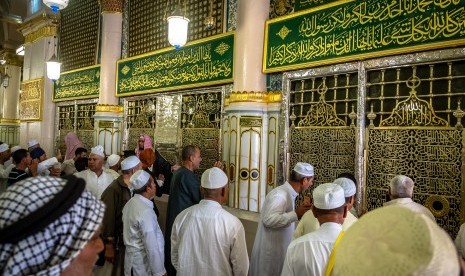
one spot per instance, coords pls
(98, 150)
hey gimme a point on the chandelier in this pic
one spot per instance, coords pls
(53, 66)
(177, 27)
(56, 5)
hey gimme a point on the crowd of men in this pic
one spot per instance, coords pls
(56, 218)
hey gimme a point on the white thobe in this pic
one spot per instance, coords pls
(412, 205)
(143, 239)
(208, 240)
(68, 167)
(5, 170)
(308, 223)
(309, 254)
(460, 241)
(96, 185)
(274, 232)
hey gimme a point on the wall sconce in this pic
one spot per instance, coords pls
(56, 5)
(53, 65)
(6, 79)
(177, 27)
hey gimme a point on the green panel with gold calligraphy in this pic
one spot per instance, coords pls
(359, 29)
(83, 83)
(200, 63)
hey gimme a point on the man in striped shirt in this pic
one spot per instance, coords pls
(23, 161)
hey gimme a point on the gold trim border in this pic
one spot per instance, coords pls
(46, 31)
(109, 108)
(78, 97)
(358, 57)
(9, 121)
(41, 80)
(256, 97)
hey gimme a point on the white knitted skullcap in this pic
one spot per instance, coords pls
(15, 148)
(214, 178)
(139, 179)
(32, 143)
(113, 159)
(129, 162)
(347, 185)
(328, 196)
(98, 150)
(394, 240)
(4, 147)
(304, 169)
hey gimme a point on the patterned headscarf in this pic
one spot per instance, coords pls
(44, 224)
(148, 144)
(72, 143)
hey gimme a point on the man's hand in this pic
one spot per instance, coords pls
(110, 252)
(302, 209)
(161, 177)
(33, 167)
(219, 165)
(175, 168)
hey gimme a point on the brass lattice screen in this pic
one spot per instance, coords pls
(76, 117)
(141, 115)
(201, 117)
(79, 29)
(413, 130)
(322, 120)
(148, 28)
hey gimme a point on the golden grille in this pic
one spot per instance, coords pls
(201, 116)
(148, 28)
(141, 117)
(79, 34)
(322, 120)
(76, 117)
(412, 111)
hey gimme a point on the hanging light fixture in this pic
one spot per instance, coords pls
(6, 79)
(53, 66)
(56, 5)
(177, 27)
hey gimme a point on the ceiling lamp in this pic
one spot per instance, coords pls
(177, 27)
(6, 79)
(20, 50)
(53, 67)
(56, 5)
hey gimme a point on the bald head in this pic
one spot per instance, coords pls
(401, 186)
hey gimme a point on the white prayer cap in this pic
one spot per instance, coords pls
(139, 179)
(15, 148)
(129, 162)
(4, 147)
(304, 169)
(113, 159)
(347, 185)
(394, 240)
(214, 178)
(328, 196)
(98, 150)
(32, 143)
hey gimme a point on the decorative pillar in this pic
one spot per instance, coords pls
(250, 127)
(9, 122)
(36, 109)
(109, 114)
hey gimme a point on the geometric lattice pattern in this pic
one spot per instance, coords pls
(78, 34)
(148, 28)
(331, 151)
(431, 157)
(207, 139)
(140, 118)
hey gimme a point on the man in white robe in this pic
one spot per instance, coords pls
(276, 224)
(401, 193)
(96, 177)
(309, 222)
(141, 233)
(206, 239)
(309, 254)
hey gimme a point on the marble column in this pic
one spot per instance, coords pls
(109, 114)
(9, 121)
(39, 30)
(250, 126)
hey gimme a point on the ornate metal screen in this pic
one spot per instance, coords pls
(413, 130)
(78, 117)
(148, 28)
(79, 34)
(201, 117)
(140, 119)
(322, 122)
